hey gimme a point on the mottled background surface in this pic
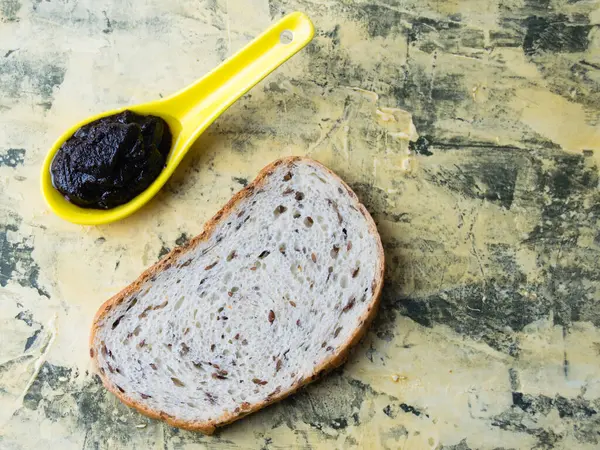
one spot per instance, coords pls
(469, 128)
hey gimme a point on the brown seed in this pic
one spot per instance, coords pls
(220, 375)
(161, 306)
(278, 365)
(309, 221)
(264, 254)
(280, 210)
(237, 336)
(288, 191)
(91, 352)
(299, 196)
(120, 388)
(349, 305)
(334, 251)
(313, 257)
(145, 396)
(244, 342)
(210, 266)
(153, 366)
(271, 316)
(329, 348)
(187, 263)
(287, 176)
(349, 246)
(231, 256)
(212, 347)
(186, 331)
(259, 381)
(355, 272)
(323, 344)
(253, 268)
(275, 392)
(145, 312)
(293, 303)
(245, 405)
(177, 382)
(298, 322)
(337, 331)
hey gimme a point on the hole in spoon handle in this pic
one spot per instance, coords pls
(197, 106)
(286, 37)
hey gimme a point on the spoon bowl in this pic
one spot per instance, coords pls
(189, 112)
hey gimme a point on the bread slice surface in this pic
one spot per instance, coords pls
(274, 292)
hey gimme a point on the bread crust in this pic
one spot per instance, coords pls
(333, 361)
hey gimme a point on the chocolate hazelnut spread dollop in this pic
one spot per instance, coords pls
(108, 162)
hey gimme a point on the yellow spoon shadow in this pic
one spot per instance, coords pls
(190, 111)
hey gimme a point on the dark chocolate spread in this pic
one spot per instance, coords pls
(108, 162)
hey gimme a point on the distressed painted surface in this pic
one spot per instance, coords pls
(469, 128)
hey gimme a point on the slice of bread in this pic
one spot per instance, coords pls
(273, 293)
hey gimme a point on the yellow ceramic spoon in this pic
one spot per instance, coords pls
(190, 111)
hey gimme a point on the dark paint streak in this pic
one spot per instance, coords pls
(555, 34)
(421, 146)
(462, 445)
(163, 251)
(61, 394)
(13, 157)
(330, 405)
(526, 408)
(108, 28)
(20, 77)
(31, 339)
(182, 239)
(515, 382)
(486, 178)
(16, 261)
(565, 358)
(242, 181)
(10, 10)
(25, 316)
(589, 64)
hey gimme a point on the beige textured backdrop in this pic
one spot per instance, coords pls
(489, 332)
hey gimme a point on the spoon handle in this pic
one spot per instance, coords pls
(198, 105)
